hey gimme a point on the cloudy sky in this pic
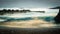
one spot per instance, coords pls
(29, 3)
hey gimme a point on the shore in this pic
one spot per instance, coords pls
(36, 23)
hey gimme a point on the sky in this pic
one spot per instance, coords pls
(29, 3)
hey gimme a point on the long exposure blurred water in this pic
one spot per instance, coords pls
(28, 16)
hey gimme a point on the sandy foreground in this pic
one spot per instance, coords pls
(36, 23)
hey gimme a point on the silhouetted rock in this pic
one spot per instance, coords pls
(57, 18)
(24, 11)
(3, 11)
